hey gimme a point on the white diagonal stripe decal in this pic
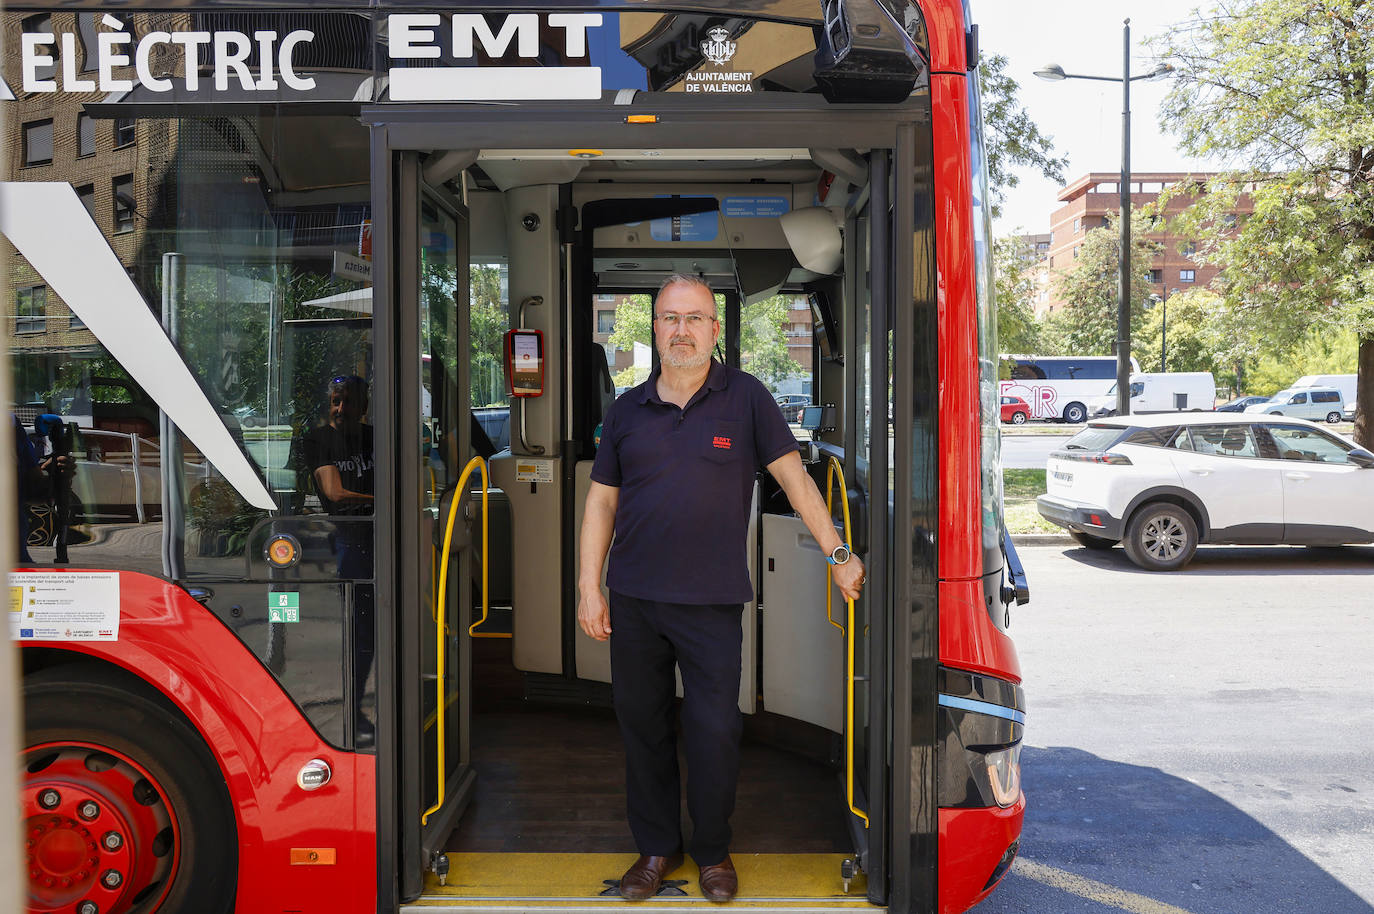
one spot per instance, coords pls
(49, 225)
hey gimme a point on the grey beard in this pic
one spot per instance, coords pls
(685, 361)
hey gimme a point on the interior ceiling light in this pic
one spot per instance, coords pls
(585, 153)
(626, 265)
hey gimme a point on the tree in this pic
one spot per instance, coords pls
(634, 323)
(1285, 89)
(1195, 332)
(762, 342)
(487, 323)
(1013, 139)
(1090, 286)
(1014, 287)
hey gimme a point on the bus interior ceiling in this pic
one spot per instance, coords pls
(545, 744)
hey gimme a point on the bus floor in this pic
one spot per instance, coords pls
(546, 824)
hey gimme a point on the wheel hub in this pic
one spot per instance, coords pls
(1164, 537)
(98, 834)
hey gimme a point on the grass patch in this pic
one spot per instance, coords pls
(1020, 488)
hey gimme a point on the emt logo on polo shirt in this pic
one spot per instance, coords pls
(721, 441)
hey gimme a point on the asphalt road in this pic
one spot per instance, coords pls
(1197, 742)
(1029, 452)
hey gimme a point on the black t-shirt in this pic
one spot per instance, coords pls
(351, 452)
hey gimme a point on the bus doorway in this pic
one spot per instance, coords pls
(534, 802)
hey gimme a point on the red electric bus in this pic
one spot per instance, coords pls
(240, 697)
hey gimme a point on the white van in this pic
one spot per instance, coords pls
(1163, 392)
(1320, 404)
(1345, 383)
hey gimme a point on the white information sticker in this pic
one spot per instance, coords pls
(64, 606)
(530, 470)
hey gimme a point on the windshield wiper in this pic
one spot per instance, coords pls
(1074, 447)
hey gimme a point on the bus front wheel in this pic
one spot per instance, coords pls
(1075, 413)
(125, 809)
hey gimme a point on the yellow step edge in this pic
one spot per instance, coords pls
(563, 880)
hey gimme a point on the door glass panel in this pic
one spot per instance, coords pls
(443, 456)
(869, 427)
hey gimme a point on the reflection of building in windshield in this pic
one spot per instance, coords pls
(234, 232)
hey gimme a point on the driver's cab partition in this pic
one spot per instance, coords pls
(557, 239)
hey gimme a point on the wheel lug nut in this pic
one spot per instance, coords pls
(111, 879)
(49, 798)
(88, 907)
(89, 809)
(113, 840)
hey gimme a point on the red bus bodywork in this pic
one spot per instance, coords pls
(260, 739)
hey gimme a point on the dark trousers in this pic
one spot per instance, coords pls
(647, 639)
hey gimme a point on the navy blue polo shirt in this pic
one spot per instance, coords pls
(686, 477)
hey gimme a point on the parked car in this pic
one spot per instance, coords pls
(1315, 403)
(1162, 484)
(790, 403)
(1239, 404)
(1015, 410)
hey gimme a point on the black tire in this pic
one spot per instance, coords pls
(1161, 536)
(1276, 413)
(1018, 418)
(1087, 540)
(1075, 413)
(155, 769)
(1333, 417)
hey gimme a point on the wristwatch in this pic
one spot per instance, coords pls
(840, 555)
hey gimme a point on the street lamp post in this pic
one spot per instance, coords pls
(1055, 73)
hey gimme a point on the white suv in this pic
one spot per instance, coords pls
(1315, 403)
(1162, 484)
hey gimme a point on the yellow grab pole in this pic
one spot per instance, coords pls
(440, 654)
(834, 470)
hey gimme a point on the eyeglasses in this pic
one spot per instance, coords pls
(690, 321)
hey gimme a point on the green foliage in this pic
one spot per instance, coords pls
(1322, 351)
(487, 325)
(1195, 327)
(634, 323)
(1086, 325)
(1284, 89)
(1013, 264)
(1013, 139)
(762, 343)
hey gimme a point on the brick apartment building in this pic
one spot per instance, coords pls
(1085, 204)
(109, 161)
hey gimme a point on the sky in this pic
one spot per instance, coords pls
(1082, 117)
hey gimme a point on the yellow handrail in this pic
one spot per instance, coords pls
(442, 601)
(834, 469)
(486, 607)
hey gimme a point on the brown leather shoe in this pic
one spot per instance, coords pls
(642, 880)
(719, 881)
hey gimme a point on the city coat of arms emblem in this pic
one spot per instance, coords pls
(718, 48)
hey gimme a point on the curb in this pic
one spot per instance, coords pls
(1041, 539)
